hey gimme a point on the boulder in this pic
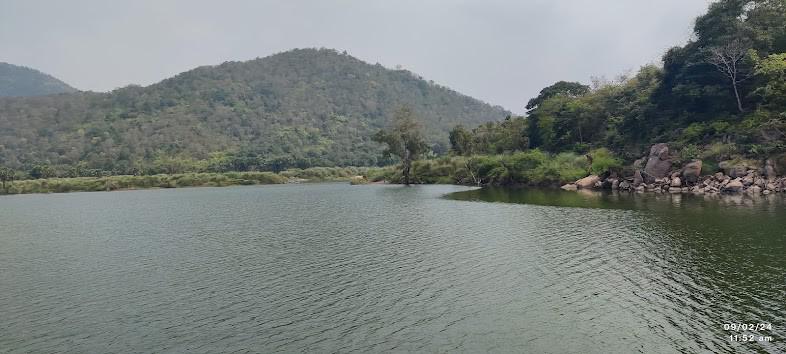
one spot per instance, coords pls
(692, 171)
(637, 178)
(676, 182)
(675, 190)
(624, 185)
(615, 184)
(658, 163)
(733, 186)
(719, 176)
(769, 170)
(639, 164)
(570, 187)
(756, 190)
(748, 180)
(587, 182)
(737, 168)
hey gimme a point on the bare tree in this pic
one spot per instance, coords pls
(729, 59)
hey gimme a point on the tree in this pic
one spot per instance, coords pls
(460, 140)
(42, 171)
(771, 71)
(570, 89)
(404, 140)
(6, 175)
(730, 60)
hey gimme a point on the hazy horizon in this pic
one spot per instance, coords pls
(499, 52)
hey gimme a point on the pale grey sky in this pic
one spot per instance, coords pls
(502, 52)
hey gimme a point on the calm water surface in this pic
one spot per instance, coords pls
(339, 268)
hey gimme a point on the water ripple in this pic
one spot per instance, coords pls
(333, 268)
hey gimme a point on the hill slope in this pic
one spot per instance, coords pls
(23, 81)
(300, 108)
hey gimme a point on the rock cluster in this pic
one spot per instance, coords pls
(658, 177)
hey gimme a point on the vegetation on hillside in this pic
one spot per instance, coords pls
(16, 81)
(722, 96)
(296, 109)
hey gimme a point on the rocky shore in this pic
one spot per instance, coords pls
(656, 173)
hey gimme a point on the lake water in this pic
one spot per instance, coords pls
(374, 268)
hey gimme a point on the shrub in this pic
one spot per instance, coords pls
(603, 161)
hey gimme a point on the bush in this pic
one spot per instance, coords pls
(603, 161)
(90, 184)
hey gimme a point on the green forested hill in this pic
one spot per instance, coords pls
(22, 81)
(300, 108)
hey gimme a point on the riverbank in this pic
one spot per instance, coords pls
(127, 182)
(656, 173)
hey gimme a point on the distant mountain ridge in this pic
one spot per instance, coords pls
(304, 107)
(17, 81)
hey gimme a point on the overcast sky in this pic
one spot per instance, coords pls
(502, 52)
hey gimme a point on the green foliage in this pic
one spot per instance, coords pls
(687, 101)
(689, 152)
(108, 183)
(23, 81)
(720, 151)
(461, 140)
(298, 109)
(604, 161)
(403, 140)
(91, 184)
(532, 167)
(42, 171)
(506, 136)
(561, 88)
(771, 72)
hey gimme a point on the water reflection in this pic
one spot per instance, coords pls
(339, 268)
(716, 258)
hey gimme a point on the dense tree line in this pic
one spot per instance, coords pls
(296, 109)
(720, 96)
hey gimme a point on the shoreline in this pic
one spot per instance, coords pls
(656, 173)
(152, 182)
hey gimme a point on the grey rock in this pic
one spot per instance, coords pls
(587, 182)
(733, 186)
(769, 170)
(692, 171)
(637, 178)
(570, 187)
(659, 162)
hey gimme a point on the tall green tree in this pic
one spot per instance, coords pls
(404, 140)
(460, 140)
(6, 175)
(560, 88)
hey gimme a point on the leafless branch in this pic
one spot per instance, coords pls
(729, 59)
